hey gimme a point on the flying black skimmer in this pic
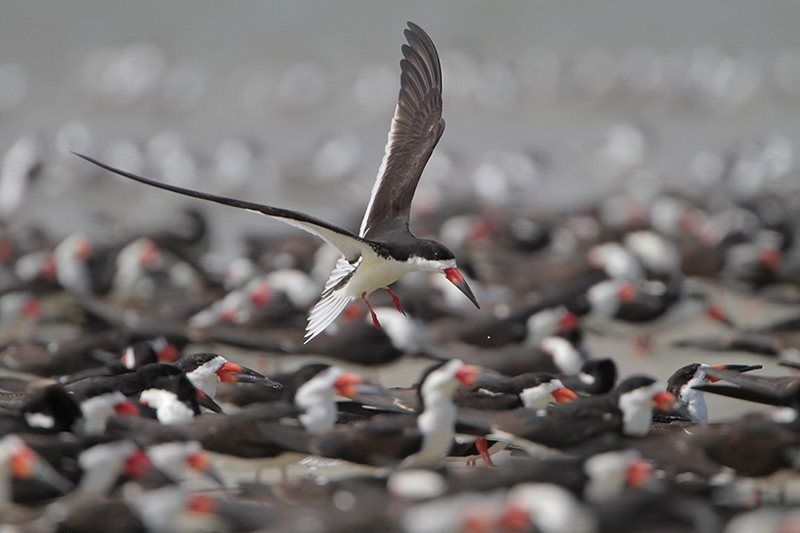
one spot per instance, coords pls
(384, 249)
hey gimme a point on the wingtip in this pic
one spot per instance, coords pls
(414, 27)
(87, 158)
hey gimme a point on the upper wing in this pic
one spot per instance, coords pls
(417, 126)
(350, 245)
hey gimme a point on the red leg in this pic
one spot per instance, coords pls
(483, 450)
(643, 345)
(395, 301)
(371, 312)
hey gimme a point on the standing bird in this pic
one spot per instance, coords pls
(385, 249)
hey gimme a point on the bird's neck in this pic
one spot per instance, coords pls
(637, 414)
(437, 427)
(319, 412)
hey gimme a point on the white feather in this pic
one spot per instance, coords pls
(381, 170)
(332, 302)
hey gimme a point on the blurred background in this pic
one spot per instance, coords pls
(550, 103)
(549, 106)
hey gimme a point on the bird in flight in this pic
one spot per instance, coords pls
(385, 249)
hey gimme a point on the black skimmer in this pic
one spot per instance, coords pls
(389, 439)
(684, 384)
(779, 339)
(19, 463)
(50, 410)
(532, 391)
(553, 312)
(489, 392)
(556, 355)
(175, 458)
(206, 370)
(357, 341)
(55, 409)
(537, 507)
(597, 376)
(385, 249)
(644, 309)
(62, 357)
(134, 357)
(307, 407)
(627, 410)
(173, 400)
(781, 391)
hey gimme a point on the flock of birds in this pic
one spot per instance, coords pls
(113, 419)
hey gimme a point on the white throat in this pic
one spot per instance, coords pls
(316, 399)
(694, 400)
(437, 421)
(205, 377)
(637, 410)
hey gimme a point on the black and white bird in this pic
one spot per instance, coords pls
(385, 249)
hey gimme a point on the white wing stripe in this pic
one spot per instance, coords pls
(386, 151)
(349, 246)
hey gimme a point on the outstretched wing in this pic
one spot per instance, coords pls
(417, 126)
(350, 245)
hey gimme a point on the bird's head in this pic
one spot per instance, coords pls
(435, 257)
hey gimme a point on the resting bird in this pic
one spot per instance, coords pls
(385, 249)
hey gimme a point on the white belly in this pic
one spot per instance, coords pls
(375, 273)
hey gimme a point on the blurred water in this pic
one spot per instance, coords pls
(560, 81)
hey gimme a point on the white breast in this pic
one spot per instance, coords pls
(376, 272)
